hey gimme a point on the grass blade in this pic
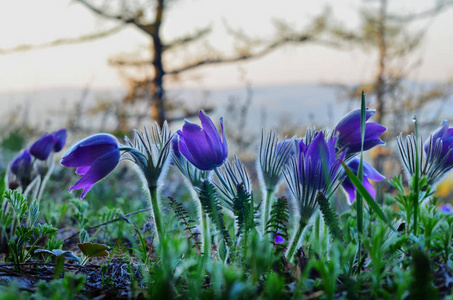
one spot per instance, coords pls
(366, 196)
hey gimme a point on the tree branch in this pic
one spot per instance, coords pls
(103, 14)
(247, 56)
(149, 29)
(422, 15)
(63, 41)
(187, 39)
(225, 60)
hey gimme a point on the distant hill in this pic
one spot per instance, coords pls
(301, 104)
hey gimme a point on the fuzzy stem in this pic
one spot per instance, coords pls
(317, 228)
(416, 178)
(267, 207)
(156, 213)
(295, 241)
(206, 235)
(43, 181)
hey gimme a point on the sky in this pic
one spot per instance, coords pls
(35, 22)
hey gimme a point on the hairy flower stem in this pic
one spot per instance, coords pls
(296, 240)
(43, 180)
(416, 178)
(156, 213)
(267, 207)
(206, 235)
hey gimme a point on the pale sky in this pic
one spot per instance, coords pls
(35, 22)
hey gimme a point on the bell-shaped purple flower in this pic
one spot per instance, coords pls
(47, 143)
(94, 157)
(444, 135)
(315, 169)
(193, 174)
(21, 165)
(368, 173)
(43, 146)
(349, 136)
(437, 158)
(203, 147)
(318, 161)
(60, 139)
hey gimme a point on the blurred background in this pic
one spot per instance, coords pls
(114, 65)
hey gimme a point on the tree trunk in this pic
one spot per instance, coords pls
(157, 100)
(380, 81)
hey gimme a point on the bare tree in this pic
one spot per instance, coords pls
(147, 17)
(387, 34)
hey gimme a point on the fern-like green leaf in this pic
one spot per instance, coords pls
(243, 209)
(18, 202)
(182, 215)
(330, 217)
(277, 224)
(211, 205)
(34, 213)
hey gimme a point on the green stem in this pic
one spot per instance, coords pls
(267, 207)
(416, 178)
(359, 202)
(84, 261)
(206, 235)
(43, 181)
(28, 255)
(295, 241)
(156, 213)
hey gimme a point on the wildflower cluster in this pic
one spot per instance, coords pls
(35, 163)
(277, 238)
(310, 165)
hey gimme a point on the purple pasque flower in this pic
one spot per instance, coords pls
(368, 173)
(60, 139)
(315, 169)
(94, 157)
(318, 161)
(47, 143)
(443, 136)
(21, 165)
(436, 159)
(43, 146)
(203, 147)
(194, 176)
(349, 136)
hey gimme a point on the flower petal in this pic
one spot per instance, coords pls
(100, 168)
(85, 152)
(224, 141)
(21, 163)
(351, 122)
(82, 170)
(369, 188)
(42, 147)
(60, 139)
(349, 189)
(195, 145)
